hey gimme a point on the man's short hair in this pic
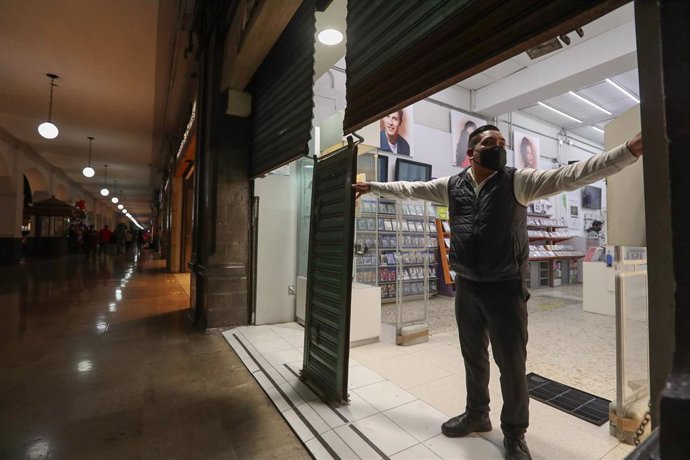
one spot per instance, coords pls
(474, 135)
(597, 222)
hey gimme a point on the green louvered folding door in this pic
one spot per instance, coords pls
(329, 276)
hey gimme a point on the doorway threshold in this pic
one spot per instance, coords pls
(398, 399)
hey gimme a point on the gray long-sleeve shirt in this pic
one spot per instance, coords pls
(528, 184)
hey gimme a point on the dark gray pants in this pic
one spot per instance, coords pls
(495, 311)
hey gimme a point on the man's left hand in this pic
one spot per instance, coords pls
(635, 145)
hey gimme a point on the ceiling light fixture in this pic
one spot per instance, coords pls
(124, 211)
(104, 190)
(114, 199)
(47, 129)
(559, 112)
(598, 129)
(88, 170)
(587, 101)
(330, 37)
(120, 206)
(623, 90)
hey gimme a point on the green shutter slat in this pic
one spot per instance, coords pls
(283, 96)
(399, 52)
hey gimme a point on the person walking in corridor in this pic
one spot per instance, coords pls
(488, 216)
(105, 237)
(91, 237)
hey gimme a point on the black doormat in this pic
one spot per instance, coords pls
(575, 402)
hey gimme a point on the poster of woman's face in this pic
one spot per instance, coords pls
(396, 132)
(526, 150)
(461, 126)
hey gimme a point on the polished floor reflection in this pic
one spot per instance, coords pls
(98, 360)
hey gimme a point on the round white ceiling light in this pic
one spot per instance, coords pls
(48, 130)
(330, 37)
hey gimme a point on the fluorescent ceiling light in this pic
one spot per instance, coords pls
(597, 129)
(587, 101)
(559, 112)
(330, 37)
(623, 90)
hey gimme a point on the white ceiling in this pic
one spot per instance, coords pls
(595, 89)
(105, 53)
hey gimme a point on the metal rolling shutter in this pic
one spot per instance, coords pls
(283, 96)
(399, 52)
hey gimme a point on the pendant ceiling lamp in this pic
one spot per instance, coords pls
(88, 171)
(115, 199)
(104, 190)
(120, 206)
(47, 129)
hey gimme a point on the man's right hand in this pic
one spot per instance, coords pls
(361, 188)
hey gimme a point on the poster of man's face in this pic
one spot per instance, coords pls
(526, 150)
(461, 126)
(396, 132)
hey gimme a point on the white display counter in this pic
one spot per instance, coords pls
(365, 319)
(598, 288)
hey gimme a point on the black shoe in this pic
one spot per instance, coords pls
(464, 424)
(516, 449)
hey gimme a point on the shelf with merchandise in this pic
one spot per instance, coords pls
(394, 236)
(544, 234)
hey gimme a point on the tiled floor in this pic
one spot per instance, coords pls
(98, 360)
(399, 397)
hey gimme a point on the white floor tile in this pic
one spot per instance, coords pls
(303, 390)
(470, 447)
(298, 425)
(256, 334)
(272, 345)
(356, 409)
(274, 374)
(446, 395)
(418, 418)
(327, 414)
(384, 395)
(313, 418)
(418, 452)
(407, 371)
(335, 443)
(278, 358)
(246, 359)
(356, 443)
(271, 391)
(446, 357)
(359, 376)
(291, 394)
(385, 434)
(619, 452)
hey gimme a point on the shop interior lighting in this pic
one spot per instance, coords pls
(587, 101)
(598, 129)
(88, 170)
(623, 90)
(104, 190)
(577, 120)
(330, 37)
(47, 129)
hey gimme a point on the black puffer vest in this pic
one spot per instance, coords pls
(489, 231)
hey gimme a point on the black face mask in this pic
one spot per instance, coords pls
(493, 158)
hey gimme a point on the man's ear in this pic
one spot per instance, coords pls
(470, 154)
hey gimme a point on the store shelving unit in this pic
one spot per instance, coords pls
(551, 263)
(392, 247)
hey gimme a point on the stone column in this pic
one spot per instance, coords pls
(220, 255)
